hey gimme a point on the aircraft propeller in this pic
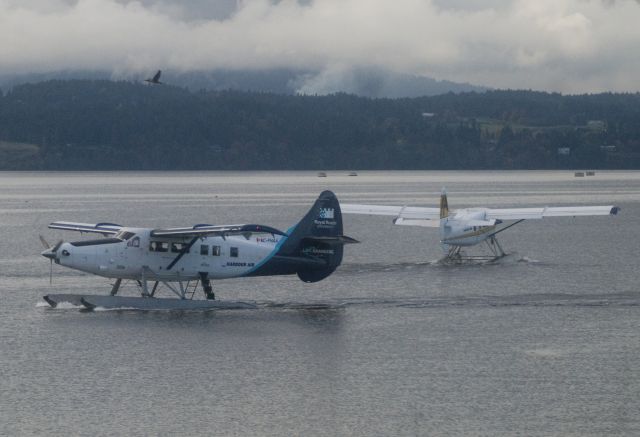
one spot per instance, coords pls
(51, 253)
(44, 242)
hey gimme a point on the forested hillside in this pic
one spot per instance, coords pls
(93, 125)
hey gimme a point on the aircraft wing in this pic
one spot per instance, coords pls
(96, 228)
(221, 230)
(425, 223)
(556, 211)
(404, 212)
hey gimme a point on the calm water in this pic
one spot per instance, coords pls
(544, 343)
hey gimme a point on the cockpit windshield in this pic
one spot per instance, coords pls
(124, 235)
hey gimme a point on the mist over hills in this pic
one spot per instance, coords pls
(567, 46)
(364, 82)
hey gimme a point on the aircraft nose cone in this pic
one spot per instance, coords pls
(52, 252)
(48, 253)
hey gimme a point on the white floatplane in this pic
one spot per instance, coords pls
(180, 258)
(471, 226)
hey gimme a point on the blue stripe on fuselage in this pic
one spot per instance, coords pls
(273, 252)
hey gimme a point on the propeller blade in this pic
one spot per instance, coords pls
(44, 242)
(57, 246)
(52, 254)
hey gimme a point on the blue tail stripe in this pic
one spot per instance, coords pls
(273, 252)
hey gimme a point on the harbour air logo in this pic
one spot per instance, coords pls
(326, 213)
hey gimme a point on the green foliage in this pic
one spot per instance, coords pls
(101, 125)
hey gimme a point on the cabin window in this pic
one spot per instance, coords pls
(233, 252)
(159, 246)
(215, 250)
(204, 249)
(179, 247)
(134, 242)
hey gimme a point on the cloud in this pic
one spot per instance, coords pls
(559, 45)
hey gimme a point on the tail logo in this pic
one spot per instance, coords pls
(326, 218)
(326, 214)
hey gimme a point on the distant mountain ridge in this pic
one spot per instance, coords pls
(363, 82)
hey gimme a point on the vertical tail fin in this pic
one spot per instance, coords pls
(444, 215)
(324, 219)
(314, 247)
(444, 205)
(316, 243)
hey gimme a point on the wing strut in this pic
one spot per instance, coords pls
(184, 250)
(507, 227)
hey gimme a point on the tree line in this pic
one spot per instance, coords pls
(105, 125)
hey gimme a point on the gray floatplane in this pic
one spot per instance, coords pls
(182, 259)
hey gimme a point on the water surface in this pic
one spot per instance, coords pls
(544, 343)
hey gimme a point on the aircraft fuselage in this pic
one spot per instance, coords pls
(466, 228)
(135, 254)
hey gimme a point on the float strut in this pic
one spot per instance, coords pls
(155, 286)
(116, 287)
(206, 286)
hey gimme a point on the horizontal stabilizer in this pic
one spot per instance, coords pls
(338, 239)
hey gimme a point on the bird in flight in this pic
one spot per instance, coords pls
(155, 79)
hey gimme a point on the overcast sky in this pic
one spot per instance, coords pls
(571, 46)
